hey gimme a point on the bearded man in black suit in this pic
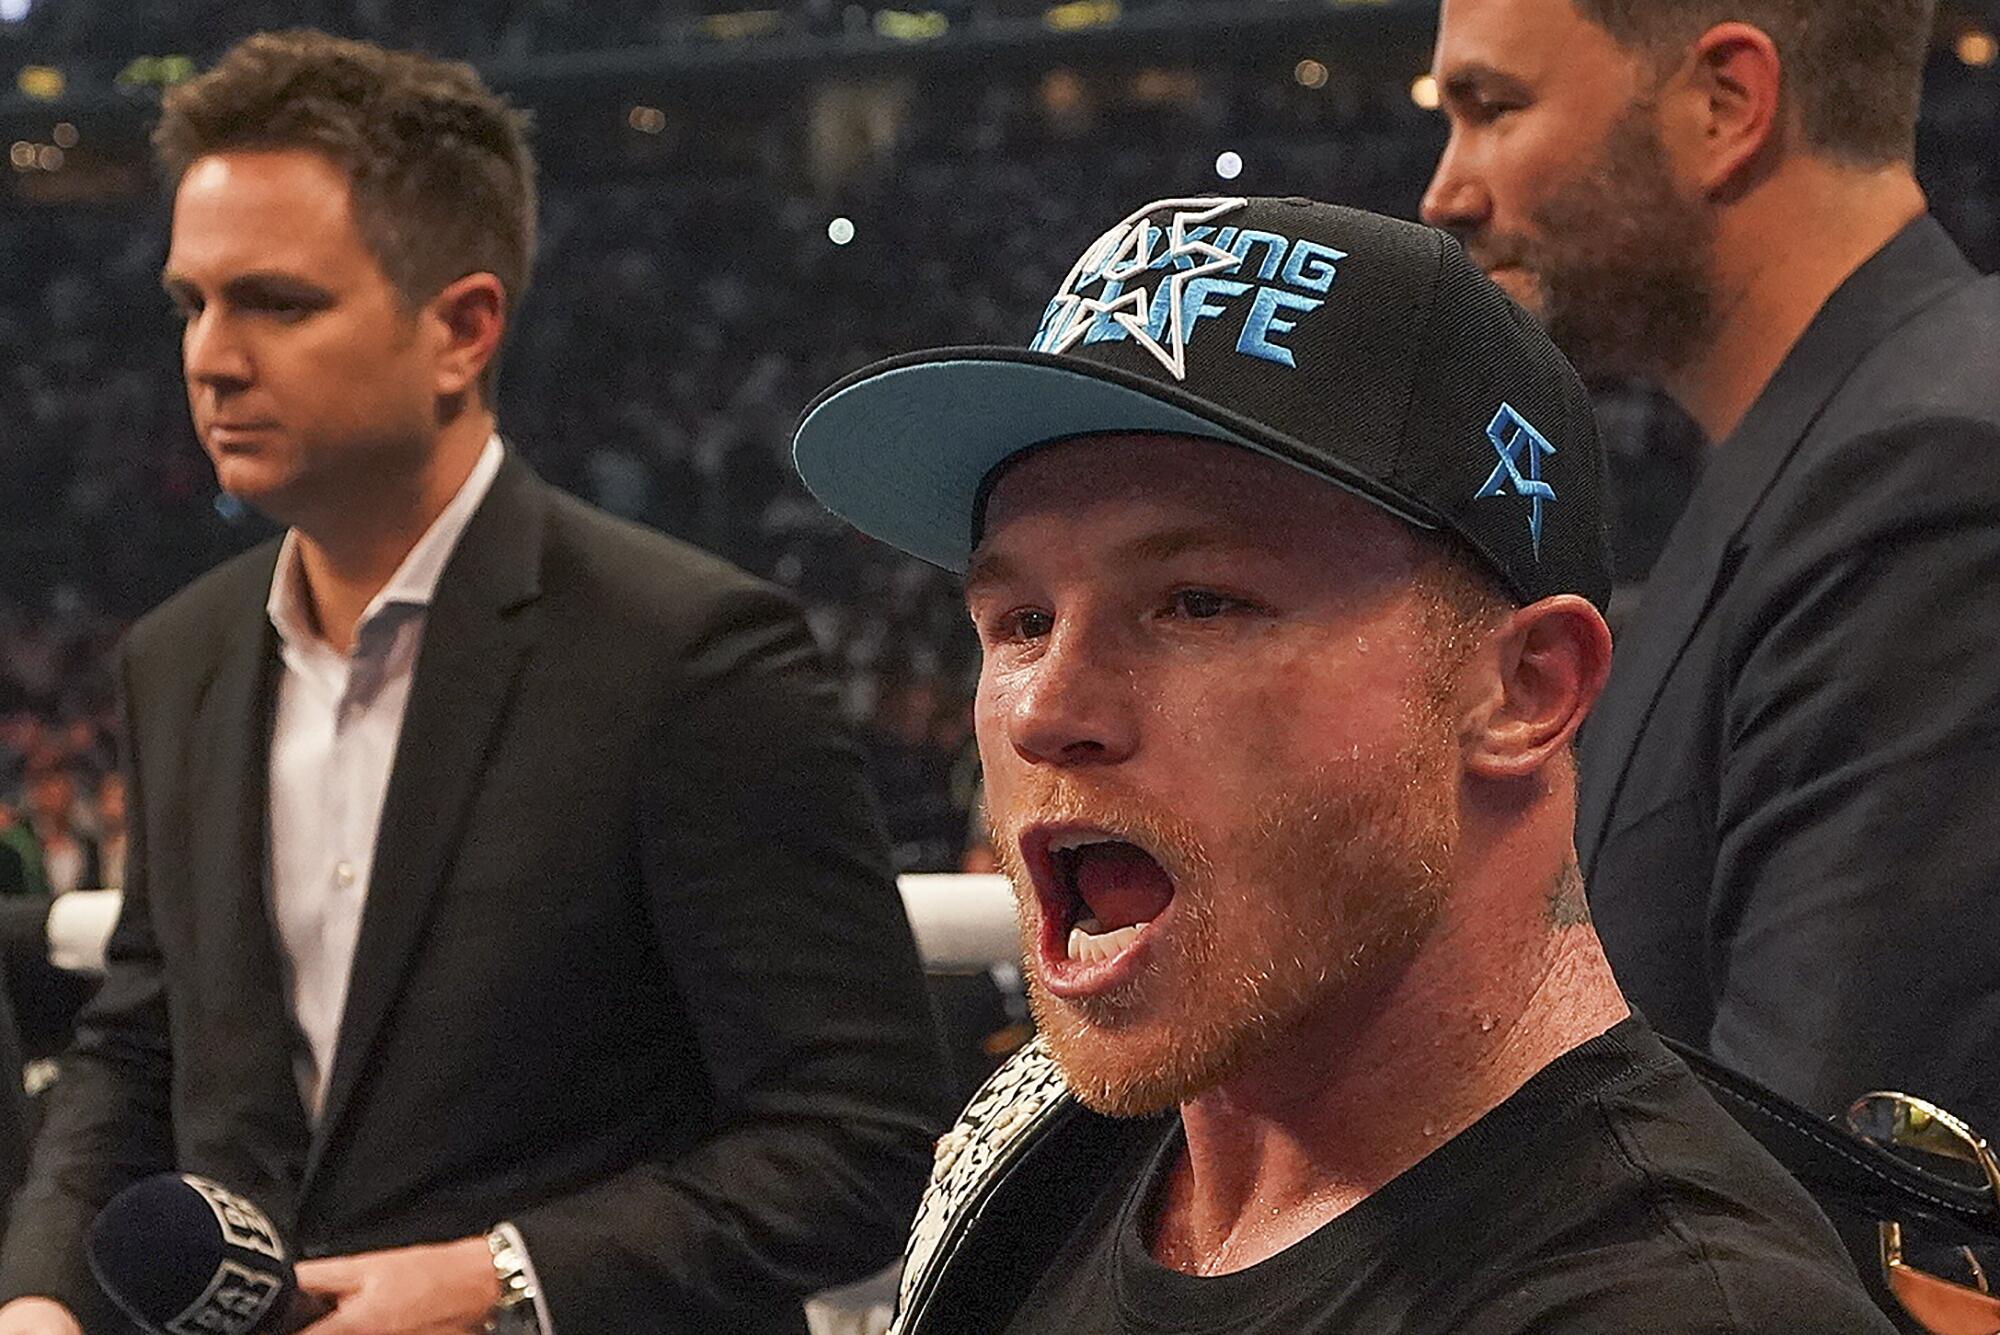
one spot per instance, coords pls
(1789, 789)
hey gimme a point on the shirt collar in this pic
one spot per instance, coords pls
(415, 582)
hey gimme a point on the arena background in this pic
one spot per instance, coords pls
(741, 203)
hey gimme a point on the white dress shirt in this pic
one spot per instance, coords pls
(333, 743)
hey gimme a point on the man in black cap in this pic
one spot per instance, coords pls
(1283, 544)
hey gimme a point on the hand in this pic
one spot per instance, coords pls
(37, 1316)
(448, 1288)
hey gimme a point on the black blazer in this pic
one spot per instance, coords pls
(13, 1118)
(13, 1113)
(1790, 805)
(632, 974)
(45, 999)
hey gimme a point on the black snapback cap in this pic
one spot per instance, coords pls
(1367, 351)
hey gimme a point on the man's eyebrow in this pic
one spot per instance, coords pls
(1170, 543)
(1464, 82)
(985, 569)
(252, 286)
(989, 568)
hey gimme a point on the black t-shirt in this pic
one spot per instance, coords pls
(1610, 1194)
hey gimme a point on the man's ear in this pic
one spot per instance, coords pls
(1729, 96)
(1536, 677)
(467, 319)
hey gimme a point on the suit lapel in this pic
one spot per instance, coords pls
(1919, 267)
(239, 967)
(477, 636)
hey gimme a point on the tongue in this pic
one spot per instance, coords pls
(1121, 885)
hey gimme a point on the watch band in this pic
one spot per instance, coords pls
(514, 1313)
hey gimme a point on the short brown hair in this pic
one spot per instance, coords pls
(1853, 68)
(443, 184)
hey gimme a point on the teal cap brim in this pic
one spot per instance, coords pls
(902, 450)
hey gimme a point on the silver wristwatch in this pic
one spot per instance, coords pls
(514, 1314)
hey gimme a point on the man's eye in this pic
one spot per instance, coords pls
(1029, 625)
(1201, 604)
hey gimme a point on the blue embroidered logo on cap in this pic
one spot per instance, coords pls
(1520, 448)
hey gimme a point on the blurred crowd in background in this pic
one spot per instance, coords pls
(481, 30)
(695, 288)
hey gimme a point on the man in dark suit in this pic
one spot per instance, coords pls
(505, 911)
(1790, 790)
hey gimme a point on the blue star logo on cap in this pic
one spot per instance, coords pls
(1521, 449)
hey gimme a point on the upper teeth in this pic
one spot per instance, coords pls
(1089, 942)
(1064, 843)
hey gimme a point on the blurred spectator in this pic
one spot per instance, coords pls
(50, 848)
(69, 855)
(110, 842)
(910, 751)
(20, 860)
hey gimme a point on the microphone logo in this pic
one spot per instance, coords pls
(236, 1301)
(237, 1298)
(243, 1224)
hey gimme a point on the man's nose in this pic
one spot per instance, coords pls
(1456, 199)
(1077, 706)
(212, 355)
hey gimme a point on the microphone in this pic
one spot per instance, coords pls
(181, 1255)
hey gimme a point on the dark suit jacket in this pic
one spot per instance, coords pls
(13, 1115)
(632, 974)
(45, 999)
(1791, 790)
(13, 1118)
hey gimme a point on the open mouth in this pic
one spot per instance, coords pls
(1098, 893)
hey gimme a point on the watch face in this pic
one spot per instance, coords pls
(514, 1316)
